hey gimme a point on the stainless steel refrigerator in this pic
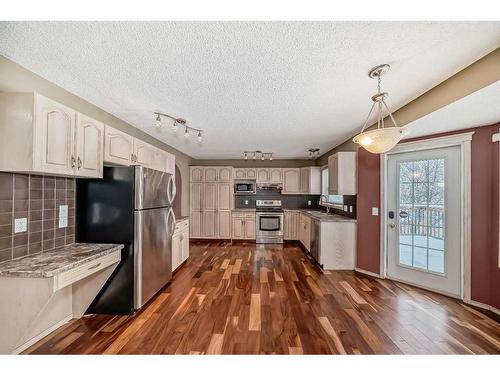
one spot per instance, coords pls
(131, 206)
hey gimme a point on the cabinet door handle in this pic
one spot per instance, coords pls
(79, 162)
(95, 266)
(73, 161)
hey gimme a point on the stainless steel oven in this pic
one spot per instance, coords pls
(269, 226)
(244, 187)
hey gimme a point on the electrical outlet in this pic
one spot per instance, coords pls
(20, 225)
(309, 203)
(350, 209)
(374, 211)
(345, 208)
(246, 202)
(63, 216)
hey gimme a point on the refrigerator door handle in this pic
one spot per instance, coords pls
(171, 189)
(174, 221)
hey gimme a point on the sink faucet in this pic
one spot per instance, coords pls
(323, 201)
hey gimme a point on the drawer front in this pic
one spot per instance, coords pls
(69, 277)
(181, 226)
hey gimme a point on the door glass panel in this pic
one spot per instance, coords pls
(421, 214)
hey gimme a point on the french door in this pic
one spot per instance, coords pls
(424, 219)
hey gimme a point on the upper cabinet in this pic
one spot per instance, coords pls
(123, 149)
(118, 146)
(89, 146)
(263, 175)
(211, 174)
(276, 175)
(291, 181)
(342, 173)
(39, 135)
(245, 173)
(310, 180)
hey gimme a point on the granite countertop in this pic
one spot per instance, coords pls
(53, 262)
(324, 217)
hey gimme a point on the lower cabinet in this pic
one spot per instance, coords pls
(305, 231)
(291, 227)
(180, 244)
(243, 226)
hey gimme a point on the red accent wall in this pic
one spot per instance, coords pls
(368, 234)
(485, 274)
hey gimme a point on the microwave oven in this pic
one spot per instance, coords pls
(244, 187)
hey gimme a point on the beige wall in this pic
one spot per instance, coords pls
(241, 163)
(15, 78)
(476, 76)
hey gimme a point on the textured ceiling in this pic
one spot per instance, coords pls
(281, 87)
(478, 109)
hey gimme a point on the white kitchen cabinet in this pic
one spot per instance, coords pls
(210, 174)
(291, 181)
(143, 153)
(342, 173)
(243, 225)
(180, 244)
(263, 175)
(225, 197)
(225, 174)
(305, 231)
(310, 180)
(170, 159)
(118, 146)
(47, 139)
(291, 227)
(89, 144)
(251, 173)
(196, 174)
(239, 173)
(338, 245)
(159, 160)
(276, 175)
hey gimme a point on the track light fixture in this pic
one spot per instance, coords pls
(258, 154)
(178, 122)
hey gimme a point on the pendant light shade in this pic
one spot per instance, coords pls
(379, 141)
(383, 138)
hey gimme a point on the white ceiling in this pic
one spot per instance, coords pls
(279, 87)
(477, 109)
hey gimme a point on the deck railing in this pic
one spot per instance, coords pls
(423, 221)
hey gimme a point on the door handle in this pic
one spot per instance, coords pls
(392, 225)
(403, 214)
(79, 162)
(95, 266)
(73, 161)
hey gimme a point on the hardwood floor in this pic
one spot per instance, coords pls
(251, 299)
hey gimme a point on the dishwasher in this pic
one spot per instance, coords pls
(316, 240)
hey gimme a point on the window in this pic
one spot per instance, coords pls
(335, 200)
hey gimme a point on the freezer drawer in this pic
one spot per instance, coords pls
(152, 252)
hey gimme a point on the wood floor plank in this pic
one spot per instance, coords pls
(244, 298)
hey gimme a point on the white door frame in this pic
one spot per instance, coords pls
(464, 141)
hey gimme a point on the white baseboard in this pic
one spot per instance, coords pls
(40, 336)
(485, 307)
(373, 274)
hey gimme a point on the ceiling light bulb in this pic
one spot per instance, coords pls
(200, 139)
(262, 157)
(271, 157)
(246, 156)
(158, 121)
(254, 156)
(174, 126)
(186, 133)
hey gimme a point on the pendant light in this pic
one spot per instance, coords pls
(383, 138)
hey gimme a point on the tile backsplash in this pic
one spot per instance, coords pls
(36, 198)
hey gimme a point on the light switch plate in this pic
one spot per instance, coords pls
(350, 209)
(309, 203)
(20, 225)
(374, 211)
(63, 216)
(345, 207)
